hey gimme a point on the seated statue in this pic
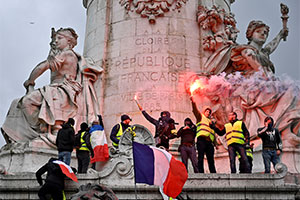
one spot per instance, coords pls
(70, 94)
(253, 57)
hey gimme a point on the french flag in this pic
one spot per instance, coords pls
(66, 169)
(156, 166)
(99, 144)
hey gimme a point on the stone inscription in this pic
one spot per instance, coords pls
(149, 61)
(153, 100)
(152, 76)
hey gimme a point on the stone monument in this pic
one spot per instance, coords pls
(154, 51)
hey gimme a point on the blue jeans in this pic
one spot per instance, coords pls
(65, 156)
(232, 149)
(269, 156)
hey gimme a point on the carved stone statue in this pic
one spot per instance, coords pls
(254, 56)
(70, 93)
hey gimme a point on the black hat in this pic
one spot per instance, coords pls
(124, 117)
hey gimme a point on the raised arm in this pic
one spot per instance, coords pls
(196, 111)
(271, 46)
(149, 118)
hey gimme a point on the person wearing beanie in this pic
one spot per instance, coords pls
(118, 130)
(187, 149)
(65, 141)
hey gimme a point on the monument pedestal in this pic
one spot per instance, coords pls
(198, 186)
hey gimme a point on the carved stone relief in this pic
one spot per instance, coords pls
(218, 27)
(152, 9)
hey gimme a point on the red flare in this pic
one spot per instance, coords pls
(197, 84)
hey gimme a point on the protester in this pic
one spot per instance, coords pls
(205, 137)
(54, 183)
(98, 142)
(118, 130)
(237, 137)
(164, 128)
(65, 141)
(187, 149)
(271, 142)
(85, 149)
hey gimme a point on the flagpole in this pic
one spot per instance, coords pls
(135, 190)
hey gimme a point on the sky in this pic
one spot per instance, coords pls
(26, 28)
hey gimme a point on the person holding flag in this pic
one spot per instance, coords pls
(98, 142)
(155, 166)
(54, 183)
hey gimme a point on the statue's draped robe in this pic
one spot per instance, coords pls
(57, 101)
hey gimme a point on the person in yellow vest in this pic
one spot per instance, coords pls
(84, 149)
(237, 137)
(249, 154)
(205, 134)
(118, 130)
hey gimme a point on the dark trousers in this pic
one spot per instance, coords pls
(232, 149)
(83, 160)
(205, 147)
(250, 160)
(52, 189)
(189, 152)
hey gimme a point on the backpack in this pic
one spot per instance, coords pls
(77, 143)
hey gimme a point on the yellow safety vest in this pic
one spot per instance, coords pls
(248, 153)
(234, 134)
(118, 136)
(204, 130)
(83, 143)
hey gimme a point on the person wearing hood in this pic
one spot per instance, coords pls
(206, 138)
(271, 143)
(65, 141)
(187, 149)
(164, 128)
(85, 149)
(118, 130)
(54, 182)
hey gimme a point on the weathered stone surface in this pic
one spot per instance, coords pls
(198, 186)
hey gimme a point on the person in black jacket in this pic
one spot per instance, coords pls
(164, 128)
(65, 141)
(118, 130)
(85, 149)
(187, 145)
(54, 183)
(271, 142)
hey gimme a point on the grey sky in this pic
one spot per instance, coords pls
(25, 36)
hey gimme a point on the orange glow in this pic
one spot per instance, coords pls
(135, 97)
(196, 85)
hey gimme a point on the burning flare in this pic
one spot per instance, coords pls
(197, 84)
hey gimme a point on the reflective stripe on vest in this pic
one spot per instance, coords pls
(234, 134)
(204, 130)
(248, 153)
(118, 136)
(83, 143)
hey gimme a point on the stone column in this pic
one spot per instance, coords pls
(148, 50)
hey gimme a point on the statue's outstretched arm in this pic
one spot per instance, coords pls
(36, 72)
(271, 46)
